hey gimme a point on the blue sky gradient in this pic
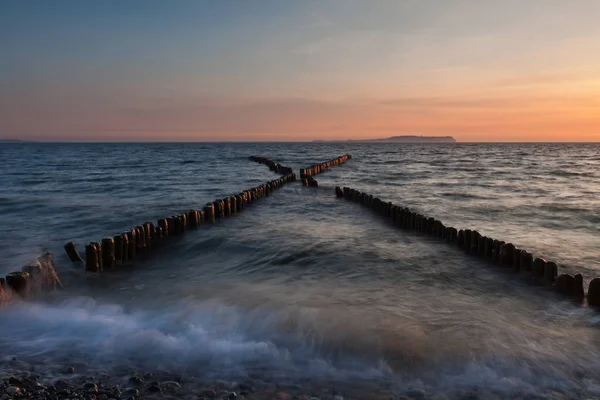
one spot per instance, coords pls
(299, 70)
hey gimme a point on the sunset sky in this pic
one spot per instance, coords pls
(479, 70)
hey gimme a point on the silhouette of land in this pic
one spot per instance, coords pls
(399, 139)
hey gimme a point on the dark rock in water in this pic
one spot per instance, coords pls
(594, 293)
(70, 370)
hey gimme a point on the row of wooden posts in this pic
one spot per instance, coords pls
(319, 168)
(498, 252)
(306, 174)
(37, 275)
(273, 166)
(125, 247)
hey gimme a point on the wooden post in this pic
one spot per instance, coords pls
(537, 270)
(164, 225)
(108, 253)
(132, 239)
(233, 204)
(526, 262)
(19, 282)
(594, 293)
(125, 240)
(118, 240)
(550, 272)
(92, 258)
(209, 212)
(72, 253)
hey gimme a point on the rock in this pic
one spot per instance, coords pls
(208, 393)
(232, 396)
(61, 385)
(70, 370)
(171, 385)
(91, 387)
(136, 380)
(15, 381)
(13, 390)
(132, 392)
(154, 389)
(418, 393)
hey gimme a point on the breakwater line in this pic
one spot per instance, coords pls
(139, 241)
(306, 174)
(498, 252)
(273, 166)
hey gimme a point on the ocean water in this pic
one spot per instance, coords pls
(304, 288)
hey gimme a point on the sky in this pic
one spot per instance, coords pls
(277, 70)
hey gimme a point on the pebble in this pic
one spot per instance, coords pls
(13, 390)
(136, 380)
(70, 370)
(154, 389)
(132, 392)
(416, 394)
(171, 385)
(209, 394)
(15, 381)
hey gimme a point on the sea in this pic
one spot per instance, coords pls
(303, 290)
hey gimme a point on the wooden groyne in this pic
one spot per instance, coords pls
(139, 241)
(273, 166)
(38, 275)
(493, 251)
(306, 174)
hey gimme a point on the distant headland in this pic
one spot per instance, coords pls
(399, 139)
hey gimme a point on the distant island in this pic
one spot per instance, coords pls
(399, 139)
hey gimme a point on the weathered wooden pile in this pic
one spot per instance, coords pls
(306, 174)
(36, 276)
(273, 166)
(498, 252)
(139, 241)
